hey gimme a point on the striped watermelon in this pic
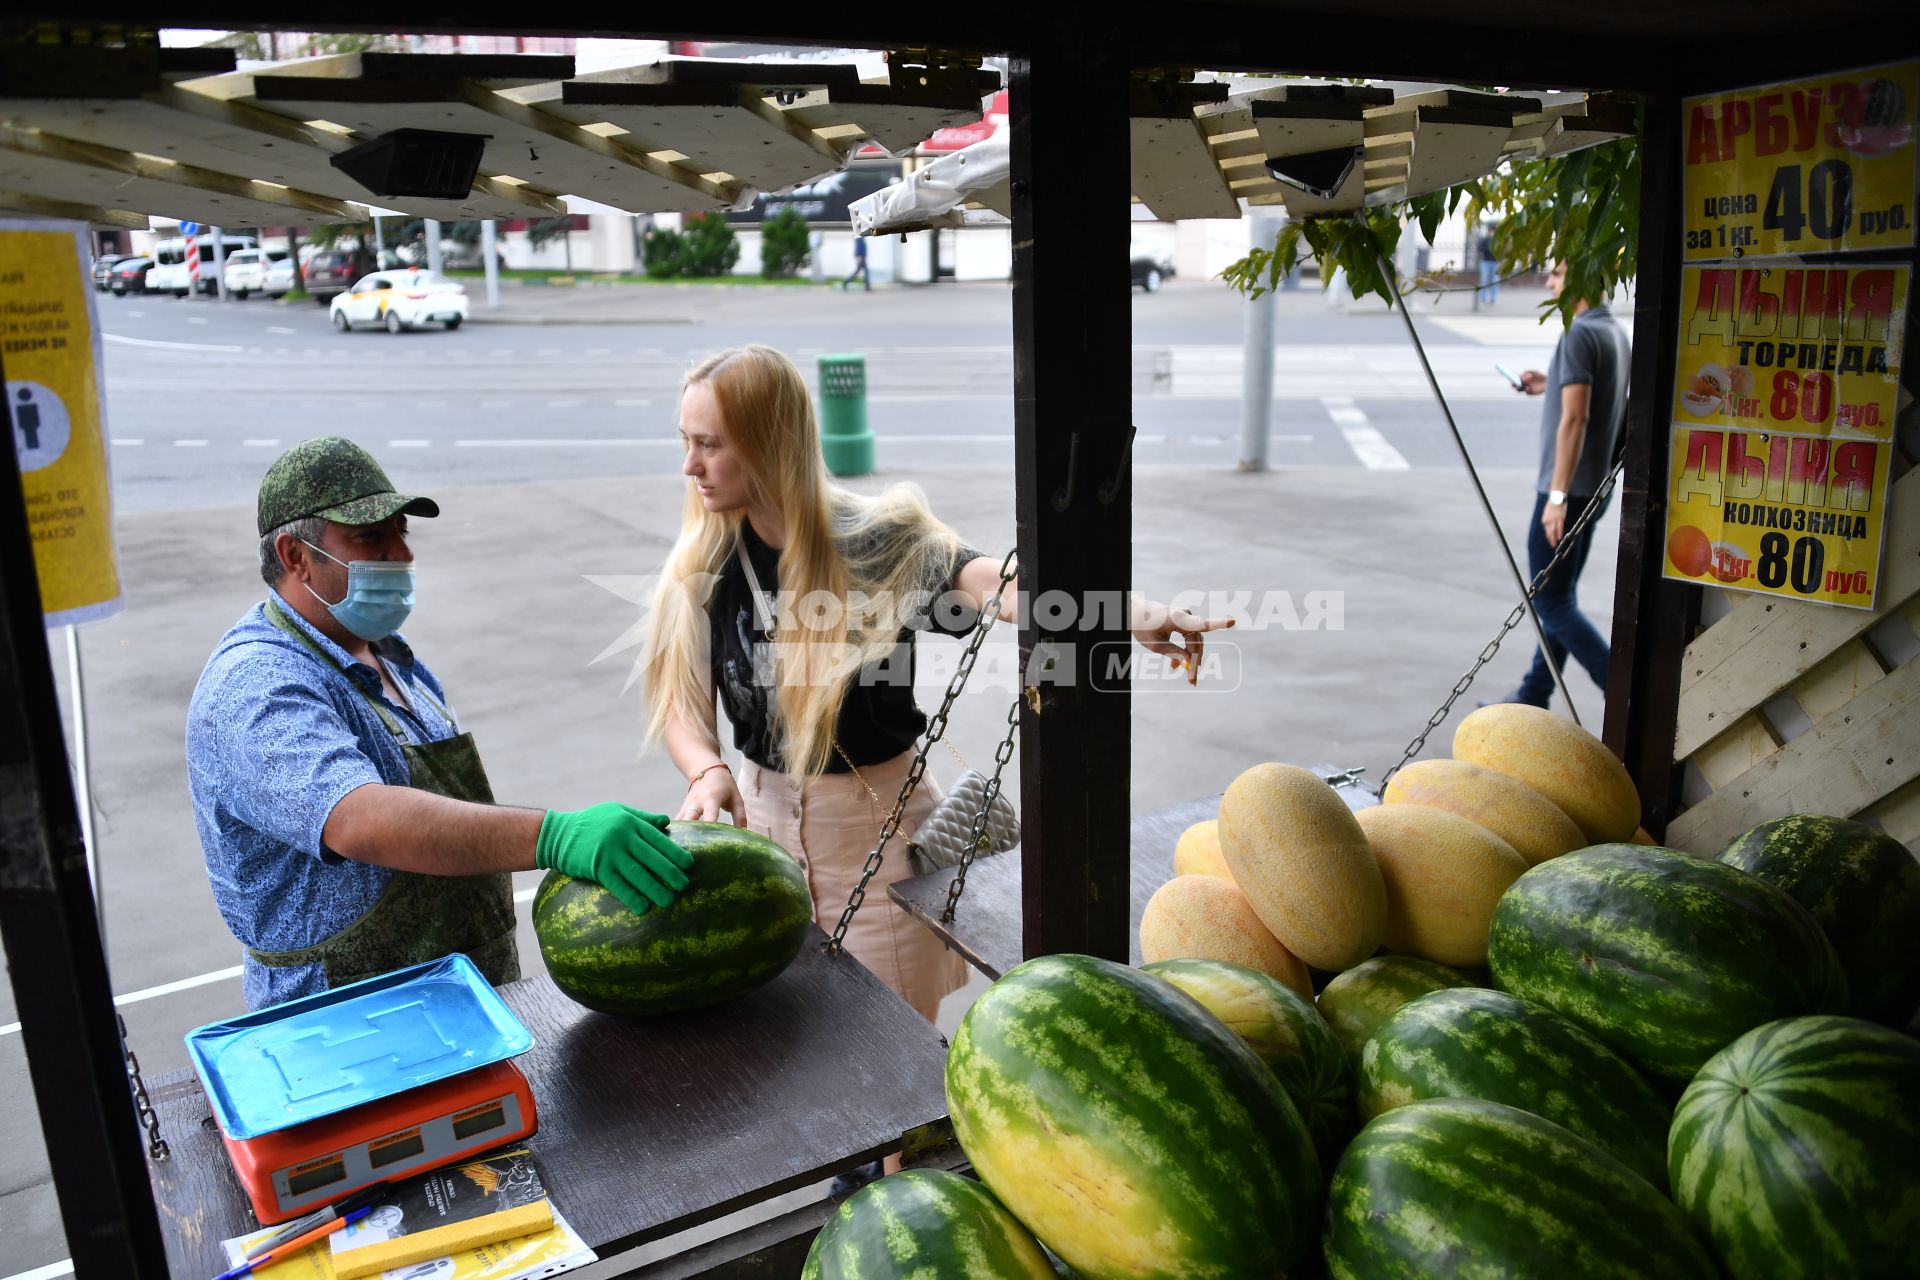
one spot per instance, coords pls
(1797, 1151)
(1464, 1187)
(740, 922)
(927, 1225)
(1471, 1043)
(1863, 887)
(1359, 1000)
(1664, 956)
(1288, 1035)
(1128, 1129)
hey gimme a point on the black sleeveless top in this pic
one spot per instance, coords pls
(879, 718)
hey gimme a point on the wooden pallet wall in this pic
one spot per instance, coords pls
(1799, 708)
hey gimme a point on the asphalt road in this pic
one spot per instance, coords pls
(556, 442)
(201, 395)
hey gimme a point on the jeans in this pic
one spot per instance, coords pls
(1489, 281)
(1560, 617)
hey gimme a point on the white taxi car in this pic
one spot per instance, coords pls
(404, 299)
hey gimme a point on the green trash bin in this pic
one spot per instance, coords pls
(844, 436)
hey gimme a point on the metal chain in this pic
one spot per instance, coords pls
(989, 614)
(143, 1105)
(1594, 506)
(978, 840)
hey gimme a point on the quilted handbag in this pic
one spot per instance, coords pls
(941, 840)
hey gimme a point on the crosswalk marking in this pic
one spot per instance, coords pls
(1363, 437)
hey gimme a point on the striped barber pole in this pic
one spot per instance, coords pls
(193, 265)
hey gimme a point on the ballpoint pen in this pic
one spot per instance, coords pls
(307, 1222)
(283, 1251)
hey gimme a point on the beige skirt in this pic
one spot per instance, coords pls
(829, 825)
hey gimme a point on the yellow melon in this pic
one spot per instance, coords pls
(1640, 836)
(1444, 875)
(1207, 918)
(1557, 758)
(1303, 862)
(1506, 806)
(1198, 852)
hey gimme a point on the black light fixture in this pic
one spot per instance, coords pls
(1318, 173)
(423, 163)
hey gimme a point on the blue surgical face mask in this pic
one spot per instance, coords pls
(379, 596)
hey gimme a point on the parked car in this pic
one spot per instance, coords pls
(329, 272)
(171, 273)
(251, 271)
(1149, 271)
(103, 268)
(279, 275)
(401, 300)
(130, 276)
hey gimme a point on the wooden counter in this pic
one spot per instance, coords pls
(650, 1127)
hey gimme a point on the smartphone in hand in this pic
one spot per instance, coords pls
(1512, 377)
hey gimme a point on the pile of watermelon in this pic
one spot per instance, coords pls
(1487, 1028)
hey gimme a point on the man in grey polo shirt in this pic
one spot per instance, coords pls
(1585, 388)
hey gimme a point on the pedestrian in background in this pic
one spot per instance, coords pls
(1585, 387)
(859, 266)
(1489, 265)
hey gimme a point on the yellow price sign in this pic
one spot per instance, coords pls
(1796, 516)
(1805, 166)
(1803, 350)
(50, 347)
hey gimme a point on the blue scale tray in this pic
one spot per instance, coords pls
(326, 1053)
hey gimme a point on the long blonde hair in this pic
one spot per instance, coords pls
(887, 553)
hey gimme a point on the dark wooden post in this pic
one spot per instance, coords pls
(1653, 617)
(52, 938)
(1072, 337)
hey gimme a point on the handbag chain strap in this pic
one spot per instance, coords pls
(936, 730)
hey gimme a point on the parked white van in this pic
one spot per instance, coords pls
(169, 274)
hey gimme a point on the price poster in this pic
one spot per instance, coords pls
(1820, 165)
(53, 387)
(1802, 517)
(1801, 350)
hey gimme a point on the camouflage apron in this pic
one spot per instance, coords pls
(418, 917)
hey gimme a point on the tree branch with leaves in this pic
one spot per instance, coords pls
(1583, 206)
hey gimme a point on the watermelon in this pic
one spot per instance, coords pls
(741, 920)
(1470, 1043)
(1465, 1187)
(1796, 1150)
(1664, 956)
(925, 1224)
(1286, 1032)
(1863, 887)
(1128, 1129)
(1359, 1000)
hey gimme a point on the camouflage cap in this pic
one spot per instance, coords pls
(334, 478)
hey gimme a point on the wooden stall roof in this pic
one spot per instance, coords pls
(104, 134)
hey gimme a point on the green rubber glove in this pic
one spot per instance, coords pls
(620, 848)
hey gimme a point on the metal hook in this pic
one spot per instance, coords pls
(1111, 489)
(1063, 496)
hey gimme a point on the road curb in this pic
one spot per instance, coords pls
(595, 320)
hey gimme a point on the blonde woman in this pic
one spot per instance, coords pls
(816, 671)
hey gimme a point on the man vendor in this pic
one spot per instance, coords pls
(346, 820)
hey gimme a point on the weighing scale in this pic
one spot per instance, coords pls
(370, 1082)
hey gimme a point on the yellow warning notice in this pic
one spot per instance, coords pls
(51, 349)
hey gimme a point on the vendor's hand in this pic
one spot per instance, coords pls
(622, 849)
(716, 793)
(1553, 523)
(1532, 382)
(1156, 626)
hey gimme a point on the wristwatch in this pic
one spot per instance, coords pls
(1557, 498)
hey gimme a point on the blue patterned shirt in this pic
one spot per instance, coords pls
(275, 739)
